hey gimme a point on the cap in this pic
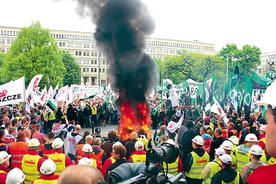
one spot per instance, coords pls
(225, 158)
(139, 144)
(207, 119)
(4, 156)
(198, 140)
(251, 138)
(262, 128)
(48, 167)
(219, 151)
(269, 97)
(57, 143)
(87, 148)
(256, 150)
(15, 176)
(78, 127)
(234, 139)
(33, 142)
(228, 145)
(98, 130)
(85, 161)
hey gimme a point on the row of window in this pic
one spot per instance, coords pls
(74, 37)
(9, 33)
(76, 45)
(179, 45)
(6, 41)
(94, 70)
(88, 62)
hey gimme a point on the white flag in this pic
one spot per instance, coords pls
(13, 92)
(32, 88)
(216, 108)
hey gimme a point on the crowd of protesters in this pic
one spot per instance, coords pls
(211, 150)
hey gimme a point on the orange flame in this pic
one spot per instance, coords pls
(129, 122)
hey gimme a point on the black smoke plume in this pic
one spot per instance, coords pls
(121, 27)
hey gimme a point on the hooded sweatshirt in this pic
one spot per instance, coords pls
(249, 168)
(226, 175)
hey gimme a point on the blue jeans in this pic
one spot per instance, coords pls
(88, 121)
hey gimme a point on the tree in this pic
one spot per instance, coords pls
(196, 66)
(248, 59)
(73, 70)
(34, 52)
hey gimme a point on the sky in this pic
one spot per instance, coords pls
(215, 21)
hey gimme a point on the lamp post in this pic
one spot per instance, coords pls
(99, 67)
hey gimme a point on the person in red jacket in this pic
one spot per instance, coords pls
(47, 148)
(262, 139)
(264, 174)
(4, 164)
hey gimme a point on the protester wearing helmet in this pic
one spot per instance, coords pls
(60, 159)
(242, 151)
(255, 156)
(88, 153)
(47, 171)
(228, 147)
(195, 161)
(235, 140)
(31, 162)
(227, 174)
(262, 139)
(15, 176)
(212, 167)
(4, 164)
(265, 174)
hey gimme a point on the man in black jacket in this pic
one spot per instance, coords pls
(187, 138)
(218, 140)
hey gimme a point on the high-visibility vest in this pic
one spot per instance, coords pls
(29, 167)
(98, 156)
(215, 167)
(172, 167)
(51, 116)
(242, 159)
(46, 153)
(45, 115)
(235, 181)
(94, 163)
(59, 159)
(17, 150)
(138, 157)
(234, 161)
(41, 181)
(198, 165)
(3, 172)
(79, 151)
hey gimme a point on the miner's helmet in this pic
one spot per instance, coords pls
(98, 131)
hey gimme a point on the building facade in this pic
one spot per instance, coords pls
(93, 64)
(268, 61)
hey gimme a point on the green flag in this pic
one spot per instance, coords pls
(247, 97)
(233, 95)
(156, 109)
(185, 86)
(260, 82)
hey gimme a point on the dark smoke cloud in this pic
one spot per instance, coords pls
(121, 27)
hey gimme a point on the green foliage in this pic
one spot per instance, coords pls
(73, 70)
(196, 66)
(248, 59)
(2, 57)
(34, 52)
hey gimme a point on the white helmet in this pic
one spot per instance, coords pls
(4, 156)
(57, 143)
(48, 167)
(87, 148)
(33, 142)
(227, 145)
(170, 141)
(256, 150)
(251, 138)
(85, 161)
(234, 139)
(198, 140)
(15, 176)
